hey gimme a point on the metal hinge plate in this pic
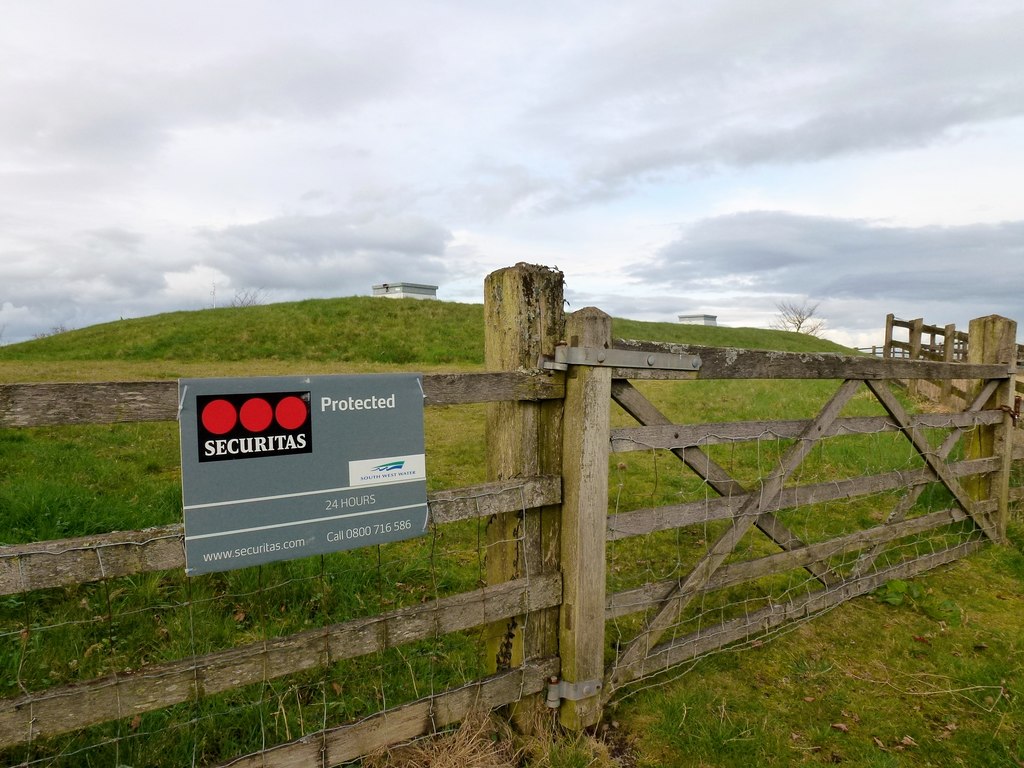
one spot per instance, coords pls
(618, 358)
(559, 690)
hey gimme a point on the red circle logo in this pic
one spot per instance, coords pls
(219, 417)
(256, 414)
(291, 412)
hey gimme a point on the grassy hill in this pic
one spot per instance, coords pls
(353, 330)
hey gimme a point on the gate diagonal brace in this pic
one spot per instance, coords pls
(563, 689)
(618, 358)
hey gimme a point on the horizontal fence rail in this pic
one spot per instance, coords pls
(36, 405)
(728, 363)
(86, 559)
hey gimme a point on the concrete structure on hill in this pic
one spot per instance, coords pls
(405, 291)
(699, 319)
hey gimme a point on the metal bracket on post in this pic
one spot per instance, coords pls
(618, 358)
(1014, 412)
(562, 689)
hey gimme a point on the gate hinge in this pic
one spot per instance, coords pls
(562, 689)
(618, 358)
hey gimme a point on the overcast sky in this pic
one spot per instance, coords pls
(670, 158)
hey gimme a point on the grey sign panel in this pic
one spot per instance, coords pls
(277, 468)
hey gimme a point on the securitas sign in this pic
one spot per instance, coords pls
(233, 426)
(277, 468)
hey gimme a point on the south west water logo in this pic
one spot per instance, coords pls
(391, 469)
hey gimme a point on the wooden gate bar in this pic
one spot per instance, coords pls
(669, 436)
(640, 522)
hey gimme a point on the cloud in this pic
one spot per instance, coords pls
(91, 111)
(334, 254)
(685, 88)
(840, 262)
(147, 152)
(84, 277)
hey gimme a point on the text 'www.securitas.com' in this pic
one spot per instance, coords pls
(259, 549)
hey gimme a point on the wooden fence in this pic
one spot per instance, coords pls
(931, 342)
(562, 620)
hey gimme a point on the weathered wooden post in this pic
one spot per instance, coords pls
(948, 350)
(584, 522)
(887, 349)
(916, 330)
(524, 318)
(993, 339)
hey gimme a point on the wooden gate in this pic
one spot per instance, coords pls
(759, 507)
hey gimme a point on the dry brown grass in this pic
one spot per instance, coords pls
(481, 741)
(488, 741)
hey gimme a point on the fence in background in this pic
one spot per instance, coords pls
(599, 553)
(916, 340)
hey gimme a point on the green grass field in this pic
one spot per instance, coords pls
(922, 673)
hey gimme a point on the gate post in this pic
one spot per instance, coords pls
(523, 318)
(588, 392)
(992, 340)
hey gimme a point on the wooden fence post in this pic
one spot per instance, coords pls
(993, 339)
(916, 329)
(524, 318)
(584, 520)
(887, 349)
(948, 349)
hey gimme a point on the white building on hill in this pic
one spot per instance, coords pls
(405, 291)
(699, 319)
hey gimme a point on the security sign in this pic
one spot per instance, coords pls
(277, 468)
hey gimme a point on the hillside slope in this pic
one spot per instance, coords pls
(355, 329)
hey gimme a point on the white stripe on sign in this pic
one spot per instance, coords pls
(302, 522)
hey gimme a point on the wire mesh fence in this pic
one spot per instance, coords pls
(860, 509)
(67, 652)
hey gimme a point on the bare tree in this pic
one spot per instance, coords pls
(59, 328)
(250, 297)
(798, 317)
